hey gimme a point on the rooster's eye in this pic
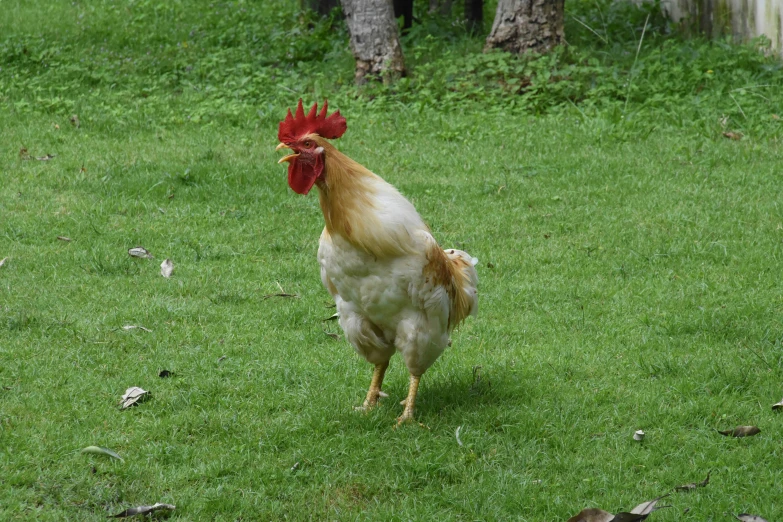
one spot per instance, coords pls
(308, 144)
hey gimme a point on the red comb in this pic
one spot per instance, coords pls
(294, 127)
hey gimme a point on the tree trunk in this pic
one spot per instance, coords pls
(374, 40)
(527, 25)
(322, 7)
(474, 15)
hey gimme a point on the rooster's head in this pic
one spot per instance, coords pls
(298, 132)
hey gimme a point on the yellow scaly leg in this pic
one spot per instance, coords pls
(413, 388)
(375, 386)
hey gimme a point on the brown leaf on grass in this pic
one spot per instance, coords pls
(63, 238)
(778, 406)
(744, 517)
(47, 157)
(24, 154)
(140, 252)
(144, 510)
(282, 294)
(694, 485)
(133, 395)
(645, 508)
(166, 268)
(775, 117)
(628, 517)
(736, 136)
(741, 431)
(640, 512)
(592, 515)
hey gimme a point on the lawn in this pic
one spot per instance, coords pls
(630, 276)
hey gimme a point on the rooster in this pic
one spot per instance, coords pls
(395, 289)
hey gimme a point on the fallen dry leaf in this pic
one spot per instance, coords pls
(133, 395)
(640, 512)
(2, 261)
(23, 154)
(775, 117)
(592, 515)
(47, 157)
(63, 238)
(166, 268)
(267, 296)
(741, 431)
(694, 485)
(645, 508)
(334, 336)
(774, 406)
(628, 517)
(736, 136)
(133, 327)
(144, 510)
(744, 517)
(140, 252)
(99, 450)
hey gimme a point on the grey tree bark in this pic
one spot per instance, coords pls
(527, 25)
(374, 39)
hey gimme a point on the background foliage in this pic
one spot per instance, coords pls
(178, 62)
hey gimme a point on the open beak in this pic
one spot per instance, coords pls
(288, 157)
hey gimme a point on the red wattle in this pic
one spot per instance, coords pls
(301, 177)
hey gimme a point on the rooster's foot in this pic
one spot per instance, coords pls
(405, 418)
(371, 402)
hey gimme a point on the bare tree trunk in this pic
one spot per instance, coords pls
(322, 7)
(527, 25)
(474, 15)
(374, 40)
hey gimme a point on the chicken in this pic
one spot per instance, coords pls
(395, 289)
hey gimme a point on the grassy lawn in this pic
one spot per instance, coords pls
(630, 278)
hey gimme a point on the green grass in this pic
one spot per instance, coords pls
(630, 279)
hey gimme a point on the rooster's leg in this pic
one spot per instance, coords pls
(375, 386)
(413, 388)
